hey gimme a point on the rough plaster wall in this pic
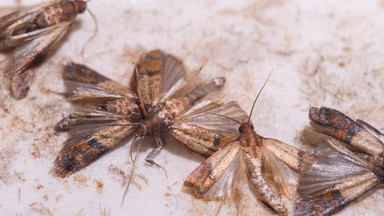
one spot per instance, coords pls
(322, 53)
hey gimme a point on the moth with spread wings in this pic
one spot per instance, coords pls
(266, 161)
(168, 99)
(30, 34)
(340, 176)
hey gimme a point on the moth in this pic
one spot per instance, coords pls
(30, 34)
(167, 99)
(255, 155)
(342, 173)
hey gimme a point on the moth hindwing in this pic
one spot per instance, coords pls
(167, 100)
(340, 176)
(30, 34)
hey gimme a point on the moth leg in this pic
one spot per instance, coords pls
(20, 83)
(154, 152)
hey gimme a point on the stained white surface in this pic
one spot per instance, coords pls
(322, 53)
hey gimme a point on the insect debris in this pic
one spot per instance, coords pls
(30, 34)
(340, 176)
(255, 155)
(168, 100)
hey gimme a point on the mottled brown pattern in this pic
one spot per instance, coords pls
(108, 106)
(334, 123)
(82, 73)
(324, 202)
(332, 199)
(63, 11)
(201, 140)
(31, 34)
(199, 180)
(149, 78)
(249, 144)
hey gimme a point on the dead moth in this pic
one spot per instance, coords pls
(255, 155)
(30, 34)
(168, 100)
(340, 176)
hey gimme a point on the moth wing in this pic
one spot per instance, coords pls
(371, 129)
(173, 71)
(338, 125)
(294, 158)
(85, 145)
(213, 178)
(215, 116)
(282, 175)
(25, 56)
(208, 126)
(89, 120)
(108, 119)
(332, 199)
(156, 74)
(335, 164)
(334, 181)
(83, 83)
(29, 14)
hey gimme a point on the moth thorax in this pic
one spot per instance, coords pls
(65, 11)
(148, 126)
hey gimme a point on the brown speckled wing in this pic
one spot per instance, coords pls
(109, 115)
(208, 126)
(334, 181)
(79, 151)
(334, 123)
(214, 176)
(32, 33)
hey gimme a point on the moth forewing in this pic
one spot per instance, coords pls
(83, 83)
(107, 119)
(254, 162)
(294, 158)
(334, 123)
(78, 153)
(208, 126)
(32, 33)
(204, 177)
(279, 176)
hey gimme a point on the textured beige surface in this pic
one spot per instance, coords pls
(322, 53)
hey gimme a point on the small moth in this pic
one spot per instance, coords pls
(168, 100)
(340, 176)
(259, 157)
(30, 34)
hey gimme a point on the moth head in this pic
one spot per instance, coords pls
(245, 126)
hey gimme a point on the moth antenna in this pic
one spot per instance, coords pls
(258, 94)
(96, 30)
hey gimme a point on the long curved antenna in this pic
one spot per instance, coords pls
(93, 35)
(258, 94)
